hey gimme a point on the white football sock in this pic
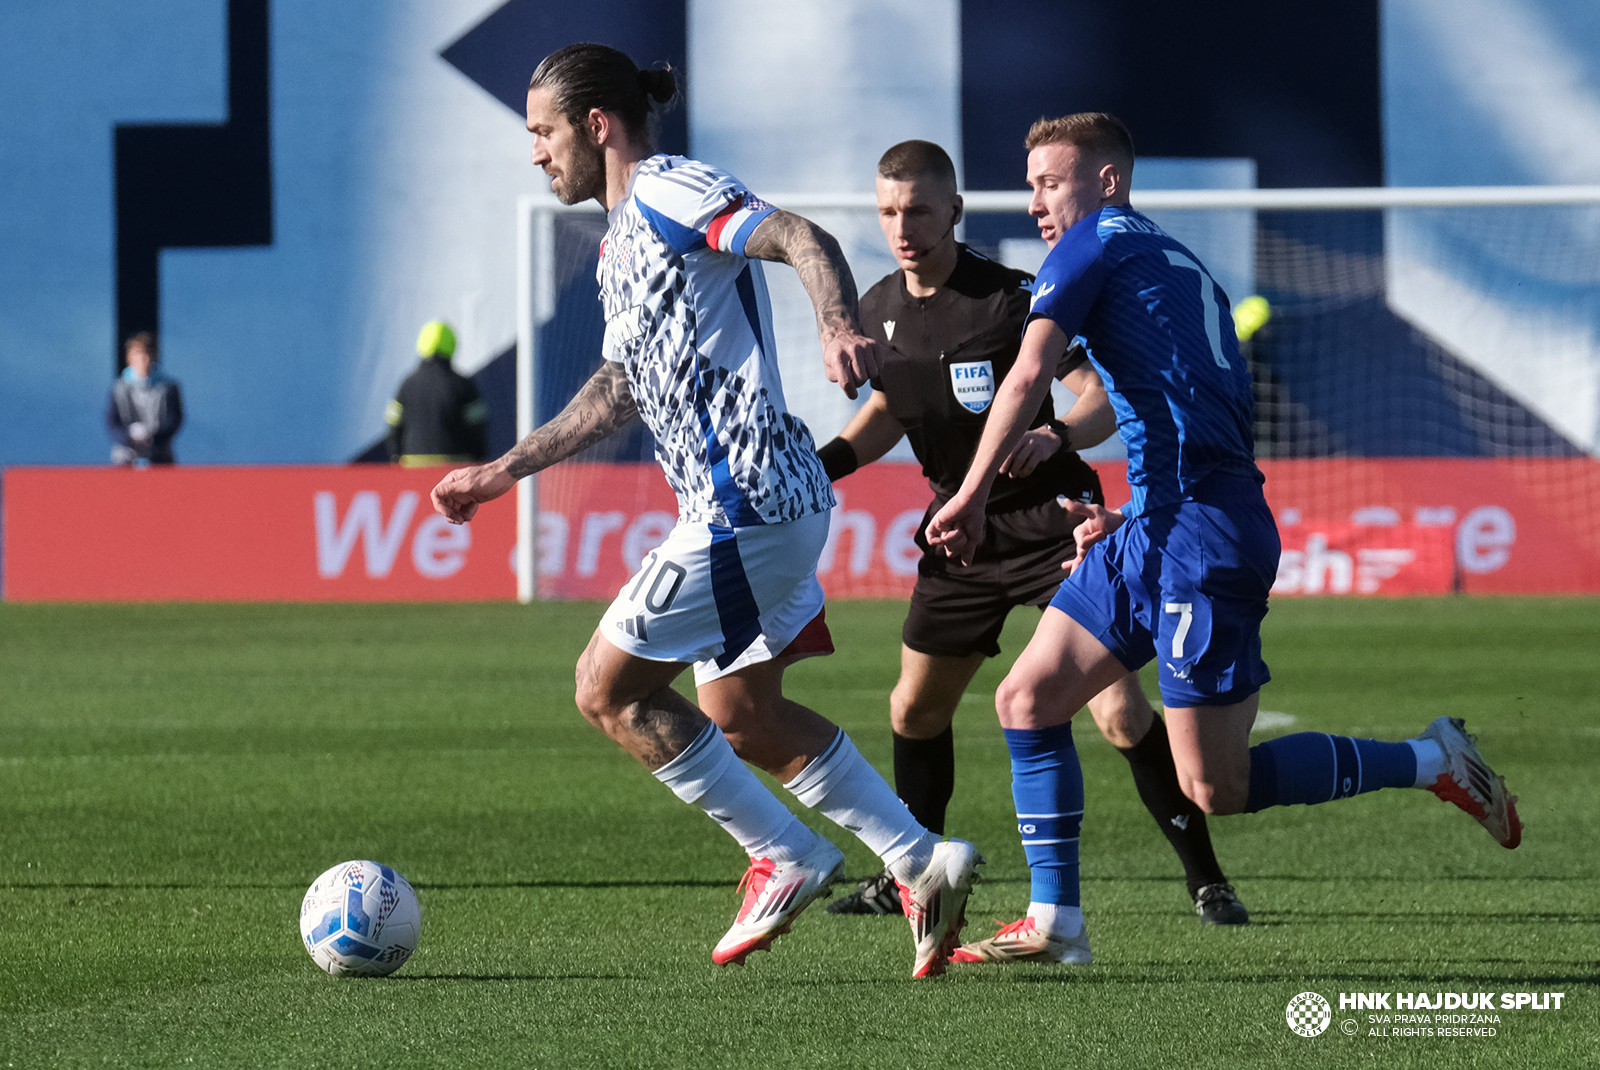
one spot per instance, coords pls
(710, 775)
(1055, 919)
(844, 787)
(1431, 764)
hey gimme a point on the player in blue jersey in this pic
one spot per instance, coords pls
(1181, 573)
(947, 311)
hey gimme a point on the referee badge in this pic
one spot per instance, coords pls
(973, 383)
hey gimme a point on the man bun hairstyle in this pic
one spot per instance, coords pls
(585, 76)
(659, 85)
(917, 159)
(1094, 132)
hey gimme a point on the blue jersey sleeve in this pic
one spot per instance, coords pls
(1071, 277)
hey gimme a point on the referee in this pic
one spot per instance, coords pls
(949, 325)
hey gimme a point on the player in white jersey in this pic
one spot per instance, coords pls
(733, 590)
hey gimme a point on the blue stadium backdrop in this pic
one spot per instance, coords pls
(286, 189)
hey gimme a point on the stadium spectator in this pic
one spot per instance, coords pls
(145, 410)
(949, 324)
(733, 591)
(437, 416)
(1181, 573)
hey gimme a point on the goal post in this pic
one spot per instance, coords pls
(1444, 321)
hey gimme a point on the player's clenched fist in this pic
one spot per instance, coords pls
(459, 494)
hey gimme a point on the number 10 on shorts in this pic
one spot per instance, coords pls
(663, 588)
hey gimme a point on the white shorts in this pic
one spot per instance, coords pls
(724, 598)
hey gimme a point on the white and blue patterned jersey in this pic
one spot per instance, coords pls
(1158, 329)
(687, 316)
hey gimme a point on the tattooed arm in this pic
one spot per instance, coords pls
(849, 356)
(603, 406)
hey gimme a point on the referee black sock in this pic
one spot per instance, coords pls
(1181, 821)
(925, 776)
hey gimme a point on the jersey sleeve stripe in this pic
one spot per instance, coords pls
(747, 226)
(679, 238)
(714, 231)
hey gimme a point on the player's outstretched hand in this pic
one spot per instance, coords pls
(851, 359)
(1097, 523)
(459, 494)
(957, 529)
(1036, 447)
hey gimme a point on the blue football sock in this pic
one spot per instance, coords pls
(1310, 767)
(1047, 785)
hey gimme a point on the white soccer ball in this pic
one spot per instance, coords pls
(360, 919)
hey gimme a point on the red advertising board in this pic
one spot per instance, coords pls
(367, 533)
(1513, 525)
(356, 533)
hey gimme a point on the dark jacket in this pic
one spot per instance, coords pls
(437, 417)
(157, 403)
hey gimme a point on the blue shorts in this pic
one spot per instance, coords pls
(1187, 585)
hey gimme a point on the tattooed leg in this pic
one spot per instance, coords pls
(630, 699)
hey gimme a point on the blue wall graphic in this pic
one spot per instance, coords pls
(195, 184)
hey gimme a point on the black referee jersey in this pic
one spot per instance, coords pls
(945, 356)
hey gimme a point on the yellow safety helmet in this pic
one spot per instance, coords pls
(436, 340)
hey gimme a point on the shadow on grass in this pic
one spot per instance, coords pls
(723, 882)
(1530, 916)
(1155, 971)
(1346, 878)
(474, 885)
(513, 977)
(107, 886)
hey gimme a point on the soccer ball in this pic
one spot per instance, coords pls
(360, 919)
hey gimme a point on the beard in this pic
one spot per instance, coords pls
(585, 177)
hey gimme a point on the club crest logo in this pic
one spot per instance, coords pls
(973, 384)
(621, 256)
(1308, 1014)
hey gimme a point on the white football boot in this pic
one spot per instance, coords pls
(1469, 783)
(935, 904)
(774, 895)
(1023, 941)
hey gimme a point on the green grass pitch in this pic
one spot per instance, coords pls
(172, 777)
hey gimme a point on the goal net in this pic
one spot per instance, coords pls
(1427, 387)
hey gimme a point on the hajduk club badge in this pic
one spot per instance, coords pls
(973, 383)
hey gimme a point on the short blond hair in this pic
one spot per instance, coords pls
(1095, 132)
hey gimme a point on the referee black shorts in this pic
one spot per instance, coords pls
(957, 609)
